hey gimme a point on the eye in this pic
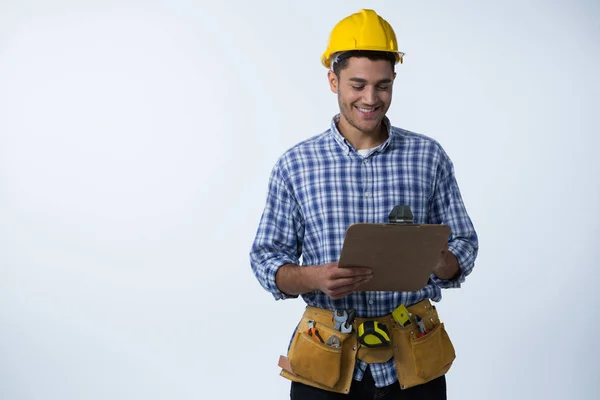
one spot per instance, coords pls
(358, 88)
(386, 87)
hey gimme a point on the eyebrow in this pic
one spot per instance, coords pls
(361, 80)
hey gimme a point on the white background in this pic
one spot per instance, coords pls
(136, 140)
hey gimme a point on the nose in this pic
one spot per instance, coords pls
(369, 96)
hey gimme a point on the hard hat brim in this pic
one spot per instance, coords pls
(326, 57)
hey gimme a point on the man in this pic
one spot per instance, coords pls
(357, 171)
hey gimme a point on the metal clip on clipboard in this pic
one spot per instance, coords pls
(401, 215)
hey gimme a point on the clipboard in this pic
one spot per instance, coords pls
(400, 253)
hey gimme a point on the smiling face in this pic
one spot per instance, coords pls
(364, 89)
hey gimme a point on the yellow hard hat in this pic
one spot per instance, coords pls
(364, 30)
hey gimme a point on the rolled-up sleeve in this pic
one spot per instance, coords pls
(447, 207)
(279, 236)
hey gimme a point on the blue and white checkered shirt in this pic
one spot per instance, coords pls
(321, 186)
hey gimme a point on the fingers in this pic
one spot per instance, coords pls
(354, 271)
(338, 282)
(335, 272)
(344, 287)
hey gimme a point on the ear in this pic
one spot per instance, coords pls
(333, 81)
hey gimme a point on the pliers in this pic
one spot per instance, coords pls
(421, 325)
(312, 331)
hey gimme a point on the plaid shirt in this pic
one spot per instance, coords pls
(321, 186)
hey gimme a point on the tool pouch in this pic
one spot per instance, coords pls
(375, 356)
(421, 359)
(317, 364)
(417, 359)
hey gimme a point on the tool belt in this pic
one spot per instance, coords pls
(418, 357)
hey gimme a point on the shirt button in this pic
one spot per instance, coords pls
(366, 161)
(367, 194)
(371, 302)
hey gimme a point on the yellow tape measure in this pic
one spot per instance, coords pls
(401, 316)
(373, 334)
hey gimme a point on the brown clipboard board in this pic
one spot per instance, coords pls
(402, 256)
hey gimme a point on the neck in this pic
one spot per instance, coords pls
(360, 139)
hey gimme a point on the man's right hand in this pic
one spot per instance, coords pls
(338, 282)
(329, 278)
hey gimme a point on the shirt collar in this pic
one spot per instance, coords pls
(345, 144)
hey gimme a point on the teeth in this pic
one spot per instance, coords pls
(365, 110)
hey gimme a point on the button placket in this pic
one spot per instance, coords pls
(368, 189)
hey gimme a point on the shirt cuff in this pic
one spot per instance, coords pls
(463, 255)
(272, 269)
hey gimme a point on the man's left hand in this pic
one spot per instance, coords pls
(447, 267)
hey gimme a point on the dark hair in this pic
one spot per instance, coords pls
(342, 60)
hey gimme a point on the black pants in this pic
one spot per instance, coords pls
(366, 389)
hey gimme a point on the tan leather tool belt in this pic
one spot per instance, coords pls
(331, 367)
